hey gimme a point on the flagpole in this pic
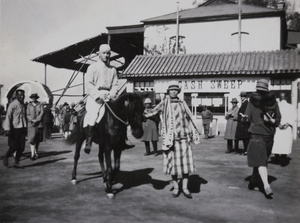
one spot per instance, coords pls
(177, 27)
(240, 26)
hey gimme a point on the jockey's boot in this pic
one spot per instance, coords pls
(127, 146)
(88, 141)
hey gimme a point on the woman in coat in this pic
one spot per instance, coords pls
(150, 129)
(232, 116)
(264, 116)
(178, 134)
(35, 111)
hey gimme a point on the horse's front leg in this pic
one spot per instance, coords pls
(76, 158)
(101, 162)
(109, 173)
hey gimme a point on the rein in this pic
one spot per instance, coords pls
(112, 112)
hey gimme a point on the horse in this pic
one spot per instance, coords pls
(110, 134)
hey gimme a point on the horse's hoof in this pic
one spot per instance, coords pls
(74, 181)
(110, 196)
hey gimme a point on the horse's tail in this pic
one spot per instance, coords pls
(76, 130)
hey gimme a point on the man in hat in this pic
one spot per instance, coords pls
(15, 125)
(264, 116)
(102, 85)
(35, 113)
(179, 132)
(242, 128)
(207, 117)
(232, 116)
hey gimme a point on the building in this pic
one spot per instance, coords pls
(215, 52)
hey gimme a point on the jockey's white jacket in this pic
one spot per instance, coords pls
(102, 82)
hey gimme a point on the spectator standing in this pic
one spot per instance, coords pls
(2, 117)
(48, 120)
(35, 112)
(232, 116)
(73, 117)
(283, 139)
(15, 126)
(150, 129)
(66, 122)
(178, 133)
(207, 118)
(264, 116)
(242, 128)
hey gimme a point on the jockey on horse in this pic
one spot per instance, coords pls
(102, 86)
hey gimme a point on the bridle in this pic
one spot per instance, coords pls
(112, 112)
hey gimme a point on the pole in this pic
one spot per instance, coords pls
(240, 26)
(177, 31)
(83, 86)
(45, 81)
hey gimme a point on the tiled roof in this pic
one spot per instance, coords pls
(214, 12)
(243, 63)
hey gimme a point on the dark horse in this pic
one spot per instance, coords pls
(110, 134)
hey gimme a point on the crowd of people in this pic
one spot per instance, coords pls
(33, 121)
(260, 123)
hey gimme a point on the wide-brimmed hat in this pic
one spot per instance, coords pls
(147, 101)
(243, 94)
(262, 85)
(234, 100)
(173, 86)
(65, 104)
(34, 95)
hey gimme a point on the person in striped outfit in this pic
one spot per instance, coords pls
(179, 132)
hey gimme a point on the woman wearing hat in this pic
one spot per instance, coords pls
(232, 120)
(150, 129)
(264, 116)
(35, 111)
(178, 134)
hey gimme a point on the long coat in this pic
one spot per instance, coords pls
(283, 138)
(35, 112)
(242, 128)
(231, 117)
(150, 127)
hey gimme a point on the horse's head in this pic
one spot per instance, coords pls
(134, 111)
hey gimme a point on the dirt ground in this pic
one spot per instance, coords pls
(41, 191)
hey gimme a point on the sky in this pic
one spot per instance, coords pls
(31, 28)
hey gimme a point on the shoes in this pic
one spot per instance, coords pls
(245, 154)
(5, 160)
(251, 186)
(187, 193)
(176, 192)
(32, 158)
(268, 191)
(87, 151)
(36, 156)
(146, 154)
(228, 151)
(156, 154)
(17, 165)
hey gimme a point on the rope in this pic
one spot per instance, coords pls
(125, 123)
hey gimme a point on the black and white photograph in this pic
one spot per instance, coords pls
(130, 111)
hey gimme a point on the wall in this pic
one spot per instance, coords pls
(215, 36)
